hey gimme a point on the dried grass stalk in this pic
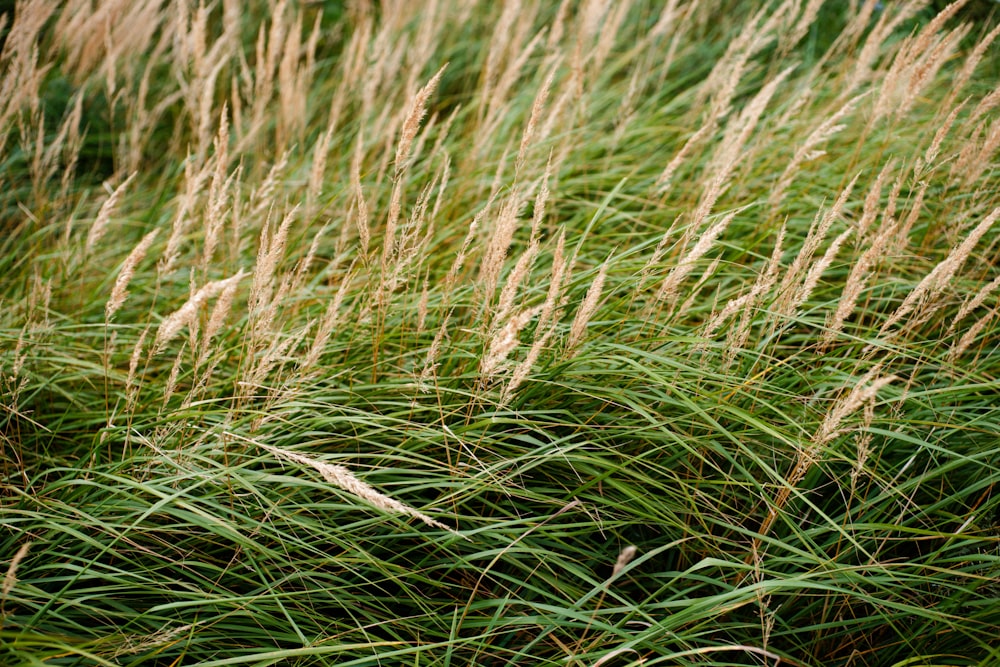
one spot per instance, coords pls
(808, 151)
(431, 364)
(194, 182)
(862, 393)
(514, 280)
(665, 178)
(417, 110)
(499, 242)
(865, 390)
(747, 303)
(218, 192)
(972, 163)
(131, 386)
(976, 301)
(223, 305)
(364, 230)
(456, 266)
(731, 150)
(536, 111)
(331, 317)
(263, 302)
(877, 36)
(548, 318)
(817, 269)
(969, 66)
(916, 63)
(791, 295)
(857, 280)
(175, 372)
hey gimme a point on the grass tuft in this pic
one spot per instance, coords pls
(464, 333)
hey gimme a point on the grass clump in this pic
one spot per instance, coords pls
(598, 333)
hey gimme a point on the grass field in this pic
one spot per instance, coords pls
(452, 332)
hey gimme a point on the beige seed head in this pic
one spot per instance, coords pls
(938, 279)
(669, 288)
(120, 291)
(977, 300)
(969, 337)
(548, 320)
(344, 479)
(186, 314)
(865, 390)
(10, 579)
(503, 342)
(98, 229)
(624, 558)
(587, 309)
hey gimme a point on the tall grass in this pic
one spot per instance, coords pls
(456, 332)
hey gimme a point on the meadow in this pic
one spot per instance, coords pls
(449, 332)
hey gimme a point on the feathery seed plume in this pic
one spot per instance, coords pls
(503, 342)
(807, 151)
(587, 309)
(186, 314)
(10, 579)
(120, 291)
(344, 479)
(418, 108)
(100, 225)
(536, 110)
(670, 285)
(856, 281)
(969, 337)
(131, 387)
(865, 390)
(548, 319)
(937, 280)
(976, 301)
(624, 558)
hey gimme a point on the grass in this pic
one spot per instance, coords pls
(447, 333)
